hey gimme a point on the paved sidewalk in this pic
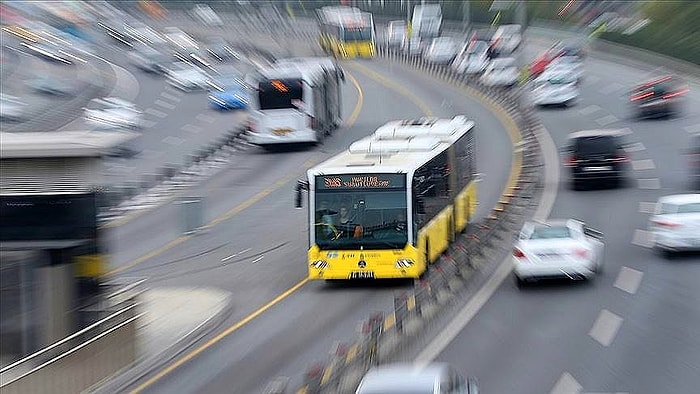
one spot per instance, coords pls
(173, 319)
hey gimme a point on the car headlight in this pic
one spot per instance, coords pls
(320, 264)
(403, 263)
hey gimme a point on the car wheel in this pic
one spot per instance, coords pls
(576, 185)
(519, 282)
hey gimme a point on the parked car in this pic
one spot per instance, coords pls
(676, 223)
(206, 15)
(501, 72)
(399, 378)
(472, 59)
(596, 156)
(442, 50)
(570, 65)
(557, 248)
(219, 49)
(148, 59)
(506, 40)
(659, 97)
(229, 92)
(413, 46)
(112, 112)
(186, 76)
(555, 89)
(395, 33)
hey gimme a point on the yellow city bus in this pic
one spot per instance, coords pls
(393, 202)
(346, 32)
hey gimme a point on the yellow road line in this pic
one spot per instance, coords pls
(389, 321)
(327, 372)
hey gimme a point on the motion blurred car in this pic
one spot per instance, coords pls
(676, 224)
(186, 76)
(658, 97)
(555, 89)
(219, 49)
(506, 40)
(596, 156)
(51, 85)
(485, 36)
(112, 112)
(206, 15)
(413, 46)
(194, 56)
(501, 72)
(441, 50)
(399, 378)
(557, 248)
(142, 33)
(693, 155)
(395, 33)
(229, 92)
(116, 29)
(570, 65)
(49, 51)
(472, 60)
(148, 59)
(541, 62)
(575, 48)
(11, 108)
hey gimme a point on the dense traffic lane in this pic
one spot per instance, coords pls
(626, 331)
(264, 247)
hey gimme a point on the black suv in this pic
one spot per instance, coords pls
(595, 156)
(659, 97)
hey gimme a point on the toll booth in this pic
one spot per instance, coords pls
(51, 256)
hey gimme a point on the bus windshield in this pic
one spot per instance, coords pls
(357, 34)
(370, 219)
(280, 94)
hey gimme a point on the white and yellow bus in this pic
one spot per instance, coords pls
(346, 32)
(393, 202)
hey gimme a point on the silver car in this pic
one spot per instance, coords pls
(676, 223)
(434, 378)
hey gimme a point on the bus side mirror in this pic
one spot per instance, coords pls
(301, 186)
(420, 205)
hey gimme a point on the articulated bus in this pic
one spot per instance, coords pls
(393, 202)
(346, 32)
(296, 101)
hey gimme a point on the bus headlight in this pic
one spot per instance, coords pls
(320, 264)
(404, 263)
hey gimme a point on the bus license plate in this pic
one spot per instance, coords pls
(362, 275)
(282, 131)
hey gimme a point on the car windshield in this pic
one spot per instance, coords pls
(680, 208)
(357, 34)
(280, 93)
(595, 145)
(550, 232)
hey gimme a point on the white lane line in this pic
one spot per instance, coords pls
(645, 164)
(173, 140)
(636, 147)
(566, 385)
(647, 207)
(205, 118)
(649, 184)
(234, 255)
(258, 259)
(628, 280)
(170, 97)
(606, 120)
(147, 124)
(163, 104)
(191, 128)
(643, 238)
(611, 88)
(605, 327)
(156, 113)
(693, 129)
(589, 110)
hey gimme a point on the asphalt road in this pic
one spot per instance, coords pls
(258, 251)
(633, 328)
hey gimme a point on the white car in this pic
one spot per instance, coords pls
(395, 33)
(206, 15)
(186, 77)
(564, 248)
(566, 64)
(112, 112)
(11, 107)
(506, 39)
(675, 224)
(403, 378)
(413, 46)
(501, 72)
(473, 59)
(441, 50)
(555, 89)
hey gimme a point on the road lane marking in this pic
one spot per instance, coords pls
(607, 120)
(611, 88)
(191, 128)
(649, 184)
(628, 280)
(205, 118)
(156, 113)
(172, 140)
(170, 97)
(566, 385)
(643, 238)
(163, 104)
(147, 124)
(589, 110)
(234, 255)
(636, 147)
(605, 327)
(644, 164)
(647, 207)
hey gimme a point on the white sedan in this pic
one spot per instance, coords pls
(112, 112)
(555, 89)
(442, 50)
(501, 72)
(186, 76)
(675, 224)
(557, 249)
(570, 65)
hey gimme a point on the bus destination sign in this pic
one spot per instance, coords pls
(360, 181)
